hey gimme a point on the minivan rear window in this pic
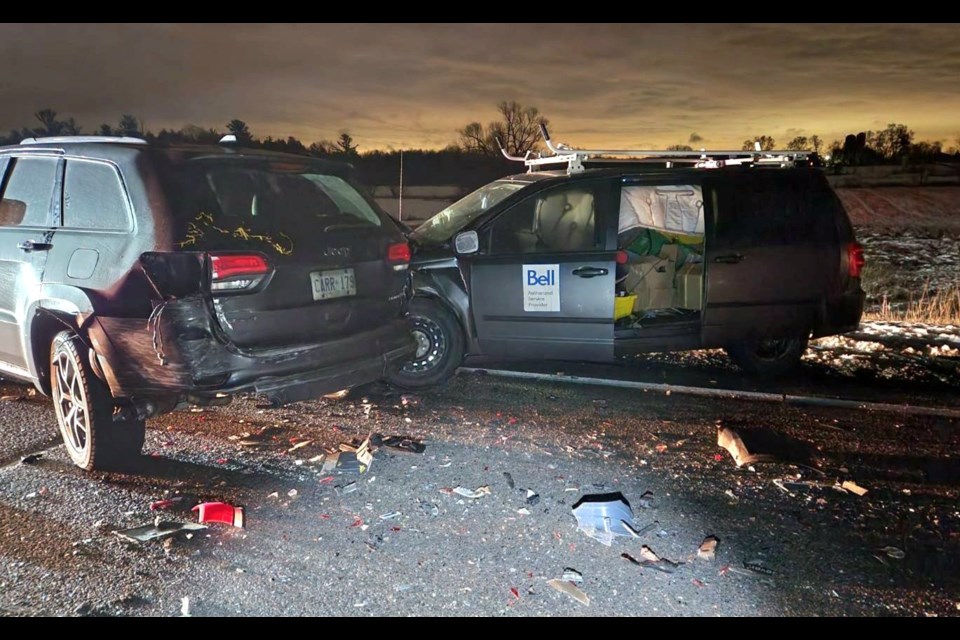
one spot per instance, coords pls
(228, 203)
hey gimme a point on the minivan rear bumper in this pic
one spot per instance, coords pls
(842, 314)
(180, 353)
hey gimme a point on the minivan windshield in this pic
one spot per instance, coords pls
(442, 226)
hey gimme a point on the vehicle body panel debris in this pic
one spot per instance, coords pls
(853, 487)
(479, 492)
(397, 443)
(220, 512)
(572, 575)
(708, 547)
(570, 589)
(604, 516)
(730, 440)
(160, 529)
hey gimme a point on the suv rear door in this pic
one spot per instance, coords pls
(768, 262)
(543, 286)
(27, 208)
(298, 254)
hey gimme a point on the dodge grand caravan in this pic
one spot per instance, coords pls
(598, 264)
(136, 278)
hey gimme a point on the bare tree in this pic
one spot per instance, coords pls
(128, 126)
(345, 144)
(518, 130)
(240, 129)
(50, 126)
(800, 143)
(816, 143)
(767, 143)
(893, 142)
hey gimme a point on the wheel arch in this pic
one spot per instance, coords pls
(50, 317)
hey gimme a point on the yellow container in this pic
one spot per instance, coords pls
(623, 306)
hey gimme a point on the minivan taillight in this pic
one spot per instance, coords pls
(237, 271)
(855, 259)
(398, 254)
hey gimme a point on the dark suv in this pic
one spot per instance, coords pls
(135, 278)
(611, 262)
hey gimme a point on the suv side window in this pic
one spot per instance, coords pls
(557, 220)
(93, 197)
(28, 192)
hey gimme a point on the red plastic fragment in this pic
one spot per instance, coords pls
(220, 512)
(516, 594)
(697, 582)
(164, 504)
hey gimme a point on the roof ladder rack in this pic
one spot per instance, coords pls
(703, 159)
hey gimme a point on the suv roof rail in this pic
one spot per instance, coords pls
(703, 159)
(62, 139)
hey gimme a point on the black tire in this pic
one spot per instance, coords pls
(770, 357)
(84, 408)
(440, 346)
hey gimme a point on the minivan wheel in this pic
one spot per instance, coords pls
(84, 408)
(768, 356)
(439, 346)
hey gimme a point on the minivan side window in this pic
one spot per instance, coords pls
(94, 198)
(554, 221)
(28, 192)
(769, 209)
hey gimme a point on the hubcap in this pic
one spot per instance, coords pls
(70, 402)
(431, 345)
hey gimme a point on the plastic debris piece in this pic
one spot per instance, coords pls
(349, 488)
(646, 500)
(33, 458)
(161, 529)
(391, 515)
(165, 504)
(220, 512)
(853, 487)
(299, 445)
(515, 593)
(532, 497)
(570, 589)
(708, 547)
(479, 492)
(600, 516)
(185, 607)
(697, 582)
(292, 493)
(730, 440)
(572, 575)
(509, 479)
(429, 508)
(523, 511)
(894, 552)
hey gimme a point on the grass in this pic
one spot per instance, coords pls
(929, 307)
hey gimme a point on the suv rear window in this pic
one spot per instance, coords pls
(229, 201)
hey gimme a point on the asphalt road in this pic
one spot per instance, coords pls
(316, 545)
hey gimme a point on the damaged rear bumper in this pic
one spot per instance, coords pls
(178, 352)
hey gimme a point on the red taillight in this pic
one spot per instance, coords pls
(622, 257)
(399, 252)
(855, 259)
(237, 271)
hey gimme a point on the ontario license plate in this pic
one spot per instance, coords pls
(336, 283)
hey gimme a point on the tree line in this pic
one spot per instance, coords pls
(475, 157)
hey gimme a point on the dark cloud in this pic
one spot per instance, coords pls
(413, 85)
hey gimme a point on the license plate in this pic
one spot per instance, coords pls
(336, 283)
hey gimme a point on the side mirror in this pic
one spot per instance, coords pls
(466, 242)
